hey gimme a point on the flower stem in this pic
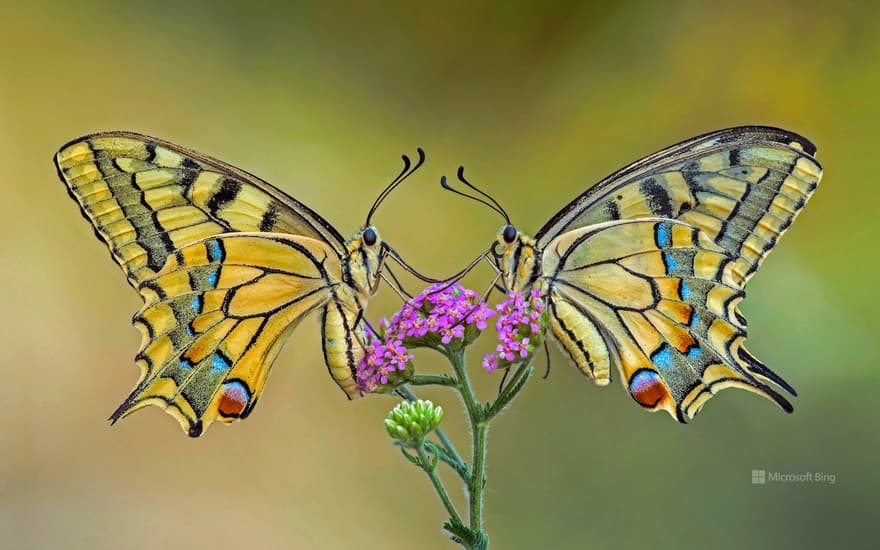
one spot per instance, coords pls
(431, 470)
(432, 379)
(478, 477)
(464, 386)
(479, 428)
(510, 391)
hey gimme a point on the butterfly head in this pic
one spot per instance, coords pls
(516, 258)
(366, 253)
(366, 249)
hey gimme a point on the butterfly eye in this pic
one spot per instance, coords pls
(369, 237)
(508, 234)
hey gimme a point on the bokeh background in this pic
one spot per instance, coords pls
(538, 101)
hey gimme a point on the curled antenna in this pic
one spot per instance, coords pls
(493, 204)
(405, 173)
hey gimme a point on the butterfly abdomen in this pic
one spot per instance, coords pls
(343, 347)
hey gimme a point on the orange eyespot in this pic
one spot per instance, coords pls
(647, 388)
(234, 399)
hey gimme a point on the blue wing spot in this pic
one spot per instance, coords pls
(215, 252)
(663, 235)
(196, 303)
(685, 290)
(695, 352)
(670, 263)
(662, 357)
(185, 363)
(220, 364)
(212, 278)
(695, 318)
(189, 330)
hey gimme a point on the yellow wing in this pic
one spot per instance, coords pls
(147, 197)
(659, 299)
(742, 186)
(216, 316)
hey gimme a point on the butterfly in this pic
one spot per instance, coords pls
(645, 270)
(227, 266)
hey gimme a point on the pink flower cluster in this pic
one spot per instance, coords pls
(383, 357)
(440, 314)
(520, 328)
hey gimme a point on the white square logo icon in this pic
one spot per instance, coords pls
(759, 477)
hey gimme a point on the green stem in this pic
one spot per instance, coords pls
(450, 448)
(510, 391)
(431, 470)
(464, 386)
(432, 380)
(478, 477)
(479, 427)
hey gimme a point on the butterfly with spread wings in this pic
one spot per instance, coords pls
(227, 266)
(645, 270)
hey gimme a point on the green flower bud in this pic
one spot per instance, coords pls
(410, 421)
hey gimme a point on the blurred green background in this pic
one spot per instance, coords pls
(538, 101)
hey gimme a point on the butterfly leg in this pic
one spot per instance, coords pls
(547, 355)
(397, 287)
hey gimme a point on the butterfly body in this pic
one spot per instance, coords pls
(227, 266)
(341, 329)
(646, 269)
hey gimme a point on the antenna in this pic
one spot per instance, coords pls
(493, 204)
(405, 173)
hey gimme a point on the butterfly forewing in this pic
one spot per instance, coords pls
(147, 197)
(742, 186)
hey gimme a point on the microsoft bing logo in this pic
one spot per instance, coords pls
(763, 477)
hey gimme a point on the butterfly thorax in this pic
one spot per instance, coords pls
(364, 262)
(520, 262)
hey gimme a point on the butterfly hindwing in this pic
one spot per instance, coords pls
(147, 197)
(216, 316)
(659, 299)
(743, 187)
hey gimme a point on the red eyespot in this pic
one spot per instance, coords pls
(647, 388)
(234, 399)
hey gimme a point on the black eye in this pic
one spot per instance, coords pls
(508, 234)
(369, 237)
